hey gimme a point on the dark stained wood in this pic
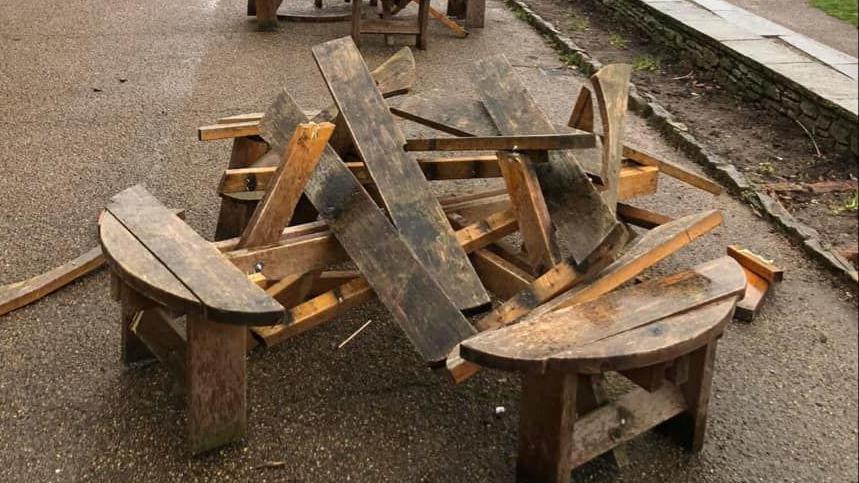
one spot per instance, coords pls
(165, 338)
(547, 416)
(499, 276)
(19, 294)
(611, 86)
(217, 383)
(328, 280)
(538, 234)
(590, 395)
(132, 349)
(234, 215)
(649, 378)
(223, 291)
(406, 193)
(454, 114)
(275, 210)
(475, 12)
(641, 217)
(530, 142)
(555, 341)
(582, 218)
(431, 322)
(697, 393)
(756, 263)
(582, 116)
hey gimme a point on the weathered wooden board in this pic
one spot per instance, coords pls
(538, 234)
(582, 116)
(641, 217)
(611, 86)
(224, 292)
(672, 169)
(19, 294)
(756, 263)
(406, 193)
(582, 218)
(165, 338)
(557, 339)
(431, 322)
(530, 142)
(454, 114)
(275, 210)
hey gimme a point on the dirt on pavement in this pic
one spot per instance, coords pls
(785, 389)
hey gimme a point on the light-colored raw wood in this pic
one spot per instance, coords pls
(275, 210)
(498, 275)
(672, 169)
(446, 21)
(756, 291)
(228, 131)
(756, 263)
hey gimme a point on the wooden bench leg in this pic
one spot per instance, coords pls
(234, 215)
(591, 394)
(217, 385)
(356, 22)
(456, 8)
(266, 12)
(423, 23)
(475, 10)
(547, 416)
(133, 350)
(689, 427)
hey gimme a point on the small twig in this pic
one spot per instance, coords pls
(685, 76)
(354, 334)
(270, 464)
(810, 136)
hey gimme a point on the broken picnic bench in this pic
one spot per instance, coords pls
(427, 260)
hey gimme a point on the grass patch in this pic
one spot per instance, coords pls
(617, 41)
(647, 62)
(847, 10)
(577, 24)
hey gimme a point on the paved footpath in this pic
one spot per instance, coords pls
(807, 20)
(96, 96)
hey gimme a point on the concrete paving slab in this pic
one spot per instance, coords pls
(721, 30)
(850, 70)
(714, 5)
(766, 51)
(821, 52)
(753, 23)
(683, 11)
(819, 79)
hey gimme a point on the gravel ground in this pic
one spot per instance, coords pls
(96, 96)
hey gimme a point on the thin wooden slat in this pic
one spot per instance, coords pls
(275, 210)
(538, 237)
(406, 193)
(531, 142)
(228, 131)
(19, 294)
(165, 338)
(756, 263)
(386, 26)
(641, 217)
(223, 291)
(756, 291)
(556, 339)
(293, 256)
(580, 215)
(672, 169)
(417, 303)
(611, 86)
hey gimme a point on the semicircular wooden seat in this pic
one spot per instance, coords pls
(661, 334)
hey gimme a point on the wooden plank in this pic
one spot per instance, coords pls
(275, 210)
(227, 131)
(165, 338)
(611, 86)
(428, 318)
(217, 383)
(454, 114)
(224, 292)
(447, 22)
(531, 142)
(756, 291)
(390, 26)
(651, 248)
(672, 169)
(756, 263)
(538, 236)
(234, 214)
(406, 193)
(641, 217)
(19, 294)
(291, 256)
(292, 290)
(620, 421)
(546, 425)
(582, 218)
(582, 116)
(498, 275)
(550, 340)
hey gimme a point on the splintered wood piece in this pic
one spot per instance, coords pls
(529, 142)
(672, 169)
(397, 75)
(611, 86)
(641, 217)
(756, 291)
(223, 291)
(217, 383)
(556, 341)
(19, 294)
(651, 248)
(406, 193)
(583, 220)
(275, 210)
(582, 116)
(756, 263)
(428, 318)
(538, 235)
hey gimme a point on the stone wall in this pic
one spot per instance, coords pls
(834, 127)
